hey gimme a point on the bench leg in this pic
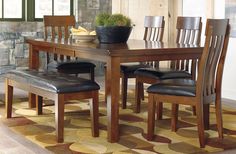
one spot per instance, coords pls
(59, 117)
(94, 114)
(8, 99)
(32, 100)
(39, 105)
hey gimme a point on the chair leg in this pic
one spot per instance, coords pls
(159, 110)
(151, 116)
(8, 99)
(141, 91)
(137, 96)
(194, 110)
(105, 85)
(200, 124)
(206, 116)
(94, 114)
(59, 117)
(219, 115)
(124, 90)
(174, 117)
(92, 74)
(39, 105)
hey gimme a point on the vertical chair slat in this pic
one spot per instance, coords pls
(187, 37)
(53, 32)
(59, 32)
(192, 38)
(66, 33)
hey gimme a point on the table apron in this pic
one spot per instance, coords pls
(159, 57)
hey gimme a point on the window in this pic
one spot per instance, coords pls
(62, 7)
(12, 9)
(38, 8)
(1, 8)
(42, 7)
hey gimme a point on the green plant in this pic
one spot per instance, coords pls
(105, 19)
(101, 19)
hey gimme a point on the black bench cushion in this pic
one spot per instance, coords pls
(53, 81)
(162, 73)
(177, 87)
(71, 66)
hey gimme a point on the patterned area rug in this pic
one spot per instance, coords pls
(78, 139)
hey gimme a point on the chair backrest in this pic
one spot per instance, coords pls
(212, 60)
(58, 27)
(188, 32)
(154, 30)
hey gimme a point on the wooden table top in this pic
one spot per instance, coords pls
(131, 48)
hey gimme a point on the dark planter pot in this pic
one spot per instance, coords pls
(116, 34)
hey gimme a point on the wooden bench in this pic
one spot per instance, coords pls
(57, 87)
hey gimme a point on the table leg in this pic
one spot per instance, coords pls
(33, 64)
(113, 94)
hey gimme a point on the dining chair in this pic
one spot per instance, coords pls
(154, 30)
(188, 32)
(58, 27)
(200, 93)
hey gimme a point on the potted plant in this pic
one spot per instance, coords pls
(114, 28)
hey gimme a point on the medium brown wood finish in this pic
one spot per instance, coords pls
(33, 64)
(154, 30)
(39, 105)
(209, 80)
(113, 55)
(58, 27)
(8, 99)
(188, 32)
(59, 99)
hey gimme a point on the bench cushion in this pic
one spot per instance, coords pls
(53, 81)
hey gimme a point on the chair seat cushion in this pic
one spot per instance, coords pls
(71, 67)
(177, 87)
(131, 68)
(53, 81)
(162, 73)
(179, 82)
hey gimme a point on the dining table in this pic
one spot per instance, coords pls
(113, 55)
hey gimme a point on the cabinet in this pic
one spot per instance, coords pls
(137, 9)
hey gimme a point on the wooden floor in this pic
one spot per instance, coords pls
(10, 142)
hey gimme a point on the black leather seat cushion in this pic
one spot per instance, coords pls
(177, 87)
(53, 81)
(164, 73)
(128, 68)
(179, 82)
(71, 66)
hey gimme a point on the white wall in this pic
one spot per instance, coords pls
(229, 77)
(201, 9)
